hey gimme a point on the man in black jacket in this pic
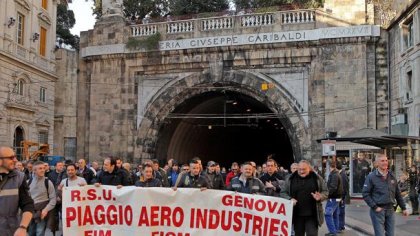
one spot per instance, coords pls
(272, 179)
(193, 179)
(111, 175)
(85, 171)
(214, 179)
(413, 182)
(148, 179)
(342, 204)
(335, 194)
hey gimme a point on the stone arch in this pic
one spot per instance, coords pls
(22, 83)
(177, 91)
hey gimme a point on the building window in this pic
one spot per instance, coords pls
(20, 28)
(45, 4)
(409, 85)
(43, 42)
(408, 33)
(19, 87)
(43, 137)
(42, 94)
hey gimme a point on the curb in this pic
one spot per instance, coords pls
(360, 227)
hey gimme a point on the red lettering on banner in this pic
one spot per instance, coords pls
(274, 226)
(70, 215)
(201, 219)
(87, 218)
(160, 233)
(165, 215)
(75, 195)
(237, 219)
(91, 194)
(178, 217)
(99, 213)
(257, 226)
(144, 219)
(214, 219)
(98, 233)
(284, 227)
(154, 221)
(248, 218)
(226, 222)
(107, 194)
(251, 203)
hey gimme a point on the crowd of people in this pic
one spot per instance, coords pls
(39, 188)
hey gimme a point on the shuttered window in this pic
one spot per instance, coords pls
(43, 42)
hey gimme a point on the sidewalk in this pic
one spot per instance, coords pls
(357, 218)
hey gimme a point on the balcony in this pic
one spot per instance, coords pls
(26, 55)
(21, 102)
(264, 22)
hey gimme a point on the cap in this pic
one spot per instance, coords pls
(211, 163)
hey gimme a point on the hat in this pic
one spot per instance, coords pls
(211, 163)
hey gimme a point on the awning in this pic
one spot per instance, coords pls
(375, 138)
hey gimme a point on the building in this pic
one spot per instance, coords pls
(404, 71)
(27, 71)
(230, 88)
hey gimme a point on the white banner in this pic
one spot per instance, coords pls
(108, 211)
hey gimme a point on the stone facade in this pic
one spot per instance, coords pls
(27, 77)
(65, 109)
(125, 95)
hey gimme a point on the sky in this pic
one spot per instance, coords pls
(83, 13)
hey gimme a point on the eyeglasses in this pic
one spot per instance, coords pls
(9, 157)
(185, 169)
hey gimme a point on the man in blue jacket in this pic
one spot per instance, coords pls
(381, 192)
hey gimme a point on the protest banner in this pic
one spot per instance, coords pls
(108, 211)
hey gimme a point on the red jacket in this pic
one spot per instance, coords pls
(229, 177)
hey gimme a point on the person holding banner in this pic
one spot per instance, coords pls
(14, 195)
(111, 175)
(193, 179)
(307, 190)
(246, 182)
(148, 179)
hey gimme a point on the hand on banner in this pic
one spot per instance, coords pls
(203, 189)
(294, 201)
(97, 185)
(316, 196)
(44, 213)
(174, 188)
(82, 184)
(405, 213)
(119, 186)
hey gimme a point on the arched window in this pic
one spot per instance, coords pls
(19, 87)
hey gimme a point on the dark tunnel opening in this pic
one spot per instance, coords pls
(224, 127)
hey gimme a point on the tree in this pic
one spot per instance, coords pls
(97, 8)
(185, 7)
(247, 4)
(66, 21)
(139, 9)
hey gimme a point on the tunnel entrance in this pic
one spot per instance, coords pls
(223, 126)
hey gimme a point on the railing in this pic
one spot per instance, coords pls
(257, 20)
(225, 22)
(144, 30)
(179, 27)
(298, 17)
(217, 23)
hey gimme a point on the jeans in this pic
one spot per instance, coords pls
(37, 229)
(341, 215)
(331, 216)
(383, 222)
